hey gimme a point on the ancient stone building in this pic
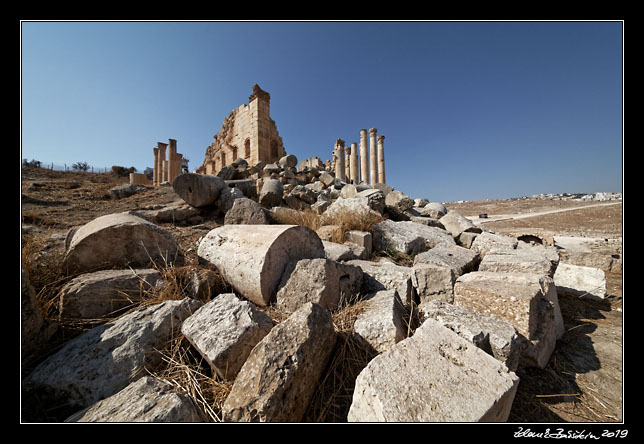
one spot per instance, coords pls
(248, 133)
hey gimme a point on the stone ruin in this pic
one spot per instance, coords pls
(248, 133)
(487, 304)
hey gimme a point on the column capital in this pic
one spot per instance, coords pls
(162, 145)
(363, 130)
(381, 138)
(339, 142)
(373, 130)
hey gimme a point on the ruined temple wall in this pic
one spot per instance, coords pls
(248, 133)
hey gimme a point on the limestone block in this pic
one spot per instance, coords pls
(337, 252)
(375, 198)
(323, 281)
(122, 191)
(426, 220)
(246, 211)
(408, 237)
(306, 194)
(493, 335)
(246, 186)
(227, 198)
(485, 241)
(398, 201)
(354, 207)
(148, 399)
(537, 259)
(104, 293)
(282, 372)
(455, 223)
(386, 276)
(252, 258)
(271, 194)
(434, 209)
(580, 280)
(433, 376)
(433, 281)
(528, 301)
(460, 260)
(288, 161)
(326, 178)
(120, 240)
(348, 191)
(381, 324)
(174, 212)
(361, 238)
(420, 202)
(198, 190)
(466, 239)
(224, 331)
(105, 359)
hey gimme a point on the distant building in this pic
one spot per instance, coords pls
(248, 133)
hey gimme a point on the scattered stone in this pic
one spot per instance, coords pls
(579, 280)
(494, 336)
(107, 358)
(148, 399)
(326, 178)
(323, 281)
(224, 331)
(528, 301)
(434, 209)
(486, 241)
(252, 258)
(246, 186)
(398, 202)
(408, 237)
(386, 276)
(456, 224)
(271, 194)
(120, 240)
(381, 324)
(361, 238)
(282, 372)
(538, 260)
(227, 198)
(430, 377)
(460, 260)
(433, 281)
(105, 293)
(198, 190)
(246, 211)
(174, 212)
(354, 207)
(337, 252)
(126, 190)
(425, 220)
(375, 199)
(288, 161)
(466, 239)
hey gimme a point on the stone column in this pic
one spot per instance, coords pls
(165, 171)
(354, 163)
(155, 167)
(172, 160)
(339, 160)
(381, 159)
(179, 165)
(347, 163)
(162, 147)
(364, 157)
(373, 159)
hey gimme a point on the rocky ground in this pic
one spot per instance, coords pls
(581, 383)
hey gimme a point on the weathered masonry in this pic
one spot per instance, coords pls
(248, 133)
(166, 170)
(370, 168)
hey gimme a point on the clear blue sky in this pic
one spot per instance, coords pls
(469, 110)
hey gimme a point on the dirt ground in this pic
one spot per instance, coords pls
(583, 380)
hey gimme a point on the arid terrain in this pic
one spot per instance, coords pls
(583, 380)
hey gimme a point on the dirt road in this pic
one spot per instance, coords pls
(496, 218)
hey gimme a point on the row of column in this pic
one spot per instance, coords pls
(166, 170)
(372, 159)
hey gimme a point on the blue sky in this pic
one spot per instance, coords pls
(469, 110)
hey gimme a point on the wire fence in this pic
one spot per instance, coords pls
(77, 167)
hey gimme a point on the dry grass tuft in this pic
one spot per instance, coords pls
(350, 221)
(187, 372)
(307, 218)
